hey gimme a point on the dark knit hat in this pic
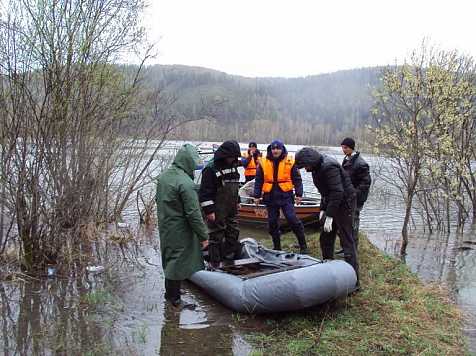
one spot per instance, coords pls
(348, 142)
(252, 144)
(277, 144)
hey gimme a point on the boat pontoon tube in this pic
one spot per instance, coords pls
(314, 282)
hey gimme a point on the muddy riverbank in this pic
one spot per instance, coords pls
(120, 310)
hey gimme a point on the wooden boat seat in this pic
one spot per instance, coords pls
(236, 263)
(264, 273)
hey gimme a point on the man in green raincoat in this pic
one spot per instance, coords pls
(183, 233)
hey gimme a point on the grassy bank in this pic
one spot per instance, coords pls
(394, 314)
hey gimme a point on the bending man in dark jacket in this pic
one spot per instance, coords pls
(182, 231)
(337, 203)
(359, 174)
(276, 177)
(219, 200)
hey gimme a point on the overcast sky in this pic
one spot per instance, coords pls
(293, 38)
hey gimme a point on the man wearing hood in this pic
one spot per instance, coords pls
(338, 203)
(276, 177)
(183, 233)
(219, 200)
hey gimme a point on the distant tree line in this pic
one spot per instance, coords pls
(317, 110)
(81, 135)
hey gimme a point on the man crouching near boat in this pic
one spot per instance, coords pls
(183, 233)
(338, 203)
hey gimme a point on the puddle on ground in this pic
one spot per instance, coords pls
(121, 310)
(118, 311)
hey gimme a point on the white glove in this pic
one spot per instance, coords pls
(321, 214)
(328, 224)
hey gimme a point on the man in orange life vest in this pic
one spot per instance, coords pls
(276, 177)
(250, 161)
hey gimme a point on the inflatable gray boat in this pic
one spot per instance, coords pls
(269, 281)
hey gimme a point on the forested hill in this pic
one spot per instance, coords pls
(319, 109)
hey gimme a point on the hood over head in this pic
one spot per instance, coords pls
(307, 156)
(228, 149)
(187, 158)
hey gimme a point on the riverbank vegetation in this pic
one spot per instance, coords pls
(424, 125)
(393, 314)
(80, 133)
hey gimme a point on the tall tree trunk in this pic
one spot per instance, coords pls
(406, 222)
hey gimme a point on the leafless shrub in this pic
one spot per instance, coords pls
(79, 133)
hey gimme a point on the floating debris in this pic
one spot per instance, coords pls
(463, 248)
(95, 268)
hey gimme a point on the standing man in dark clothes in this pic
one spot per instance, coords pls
(219, 200)
(182, 231)
(337, 203)
(359, 174)
(276, 177)
(250, 161)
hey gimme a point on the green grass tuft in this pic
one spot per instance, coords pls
(394, 314)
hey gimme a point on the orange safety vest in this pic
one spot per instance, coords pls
(251, 169)
(284, 174)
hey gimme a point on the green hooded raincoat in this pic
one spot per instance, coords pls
(181, 226)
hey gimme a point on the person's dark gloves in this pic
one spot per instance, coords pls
(256, 154)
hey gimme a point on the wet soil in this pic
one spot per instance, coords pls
(121, 310)
(117, 311)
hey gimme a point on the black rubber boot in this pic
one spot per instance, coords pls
(274, 231)
(298, 229)
(302, 245)
(357, 288)
(214, 252)
(172, 291)
(166, 296)
(229, 251)
(356, 239)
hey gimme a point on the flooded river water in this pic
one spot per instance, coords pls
(121, 310)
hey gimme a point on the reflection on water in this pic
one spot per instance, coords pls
(445, 259)
(55, 316)
(121, 311)
(204, 331)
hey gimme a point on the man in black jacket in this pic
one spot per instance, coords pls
(218, 196)
(337, 203)
(359, 174)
